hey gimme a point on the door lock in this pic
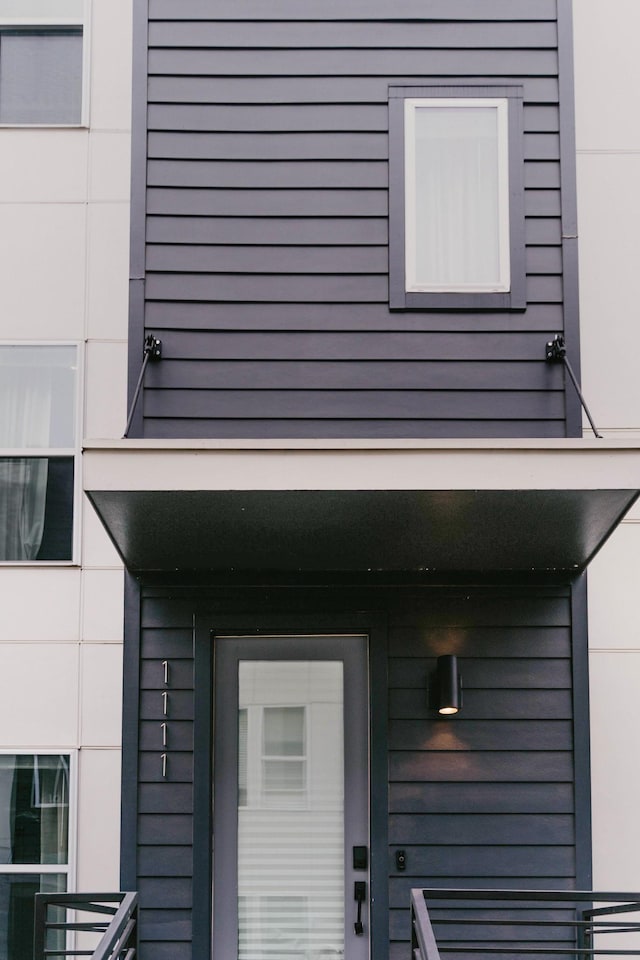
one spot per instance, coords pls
(360, 858)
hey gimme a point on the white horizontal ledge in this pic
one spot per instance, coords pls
(209, 465)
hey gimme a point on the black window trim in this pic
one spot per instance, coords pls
(399, 297)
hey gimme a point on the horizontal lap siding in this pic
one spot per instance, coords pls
(165, 804)
(485, 799)
(266, 221)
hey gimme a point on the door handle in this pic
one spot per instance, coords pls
(359, 895)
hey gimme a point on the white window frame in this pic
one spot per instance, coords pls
(48, 452)
(69, 869)
(303, 758)
(256, 795)
(83, 21)
(500, 104)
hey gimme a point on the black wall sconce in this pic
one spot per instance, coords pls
(445, 688)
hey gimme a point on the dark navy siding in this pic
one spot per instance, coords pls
(265, 212)
(487, 799)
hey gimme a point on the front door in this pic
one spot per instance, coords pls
(291, 798)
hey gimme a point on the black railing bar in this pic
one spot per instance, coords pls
(488, 921)
(493, 894)
(100, 911)
(84, 901)
(542, 951)
(627, 907)
(88, 927)
(120, 921)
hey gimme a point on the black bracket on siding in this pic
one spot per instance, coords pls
(556, 352)
(152, 351)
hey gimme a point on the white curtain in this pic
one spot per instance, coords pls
(457, 218)
(25, 421)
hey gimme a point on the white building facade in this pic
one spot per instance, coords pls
(64, 245)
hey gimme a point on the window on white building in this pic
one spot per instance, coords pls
(42, 61)
(34, 842)
(38, 450)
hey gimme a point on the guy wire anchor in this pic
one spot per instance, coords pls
(556, 352)
(152, 351)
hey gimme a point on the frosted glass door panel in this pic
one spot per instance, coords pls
(290, 810)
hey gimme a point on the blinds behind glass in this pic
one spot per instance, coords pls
(41, 76)
(291, 830)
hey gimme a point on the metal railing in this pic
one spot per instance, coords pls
(513, 924)
(112, 916)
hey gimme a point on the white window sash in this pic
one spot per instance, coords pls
(67, 869)
(12, 14)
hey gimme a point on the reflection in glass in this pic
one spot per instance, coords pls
(34, 809)
(41, 76)
(37, 396)
(290, 816)
(283, 756)
(17, 891)
(36, 508)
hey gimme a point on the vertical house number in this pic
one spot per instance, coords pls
(164, 726)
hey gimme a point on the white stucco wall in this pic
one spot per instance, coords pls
(608, 163)
(64, 240)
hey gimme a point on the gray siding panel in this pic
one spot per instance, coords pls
(360, 404)
(353, 10)
(298, 317)
(426, 34)
(221, 174)
(356, 63)
(352, 375)
(266, 221)
(343, 429)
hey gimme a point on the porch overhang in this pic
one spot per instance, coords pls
(275, 506)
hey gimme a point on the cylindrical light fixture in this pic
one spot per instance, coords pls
(448, 685)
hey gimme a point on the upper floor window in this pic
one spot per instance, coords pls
(42, 58)
(456, 217)
(38, 412)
